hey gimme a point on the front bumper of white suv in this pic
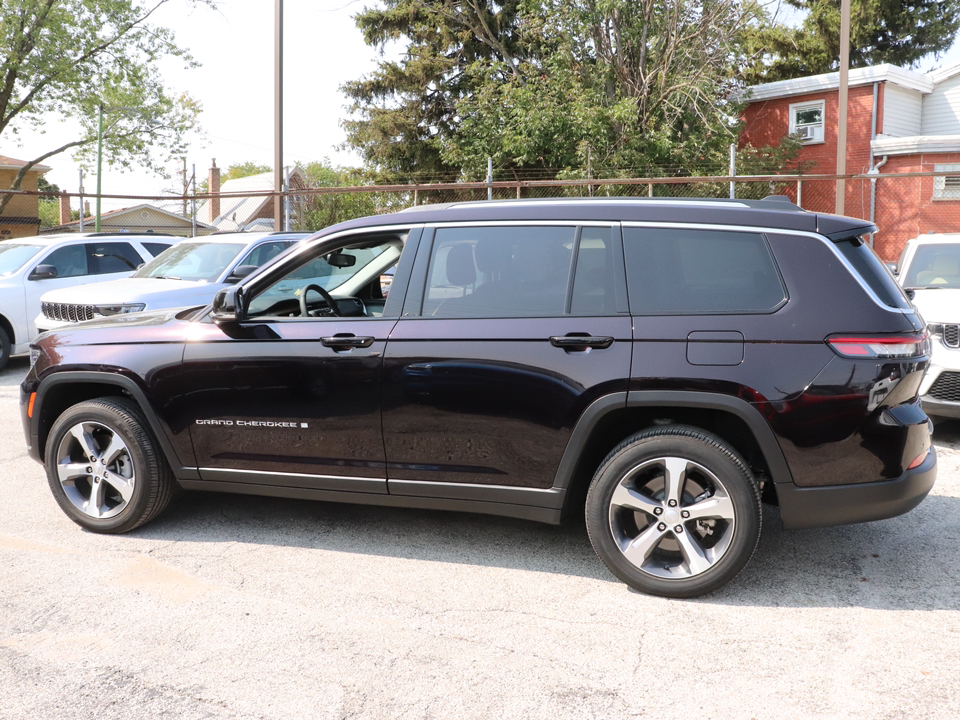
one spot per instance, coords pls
(940, 389)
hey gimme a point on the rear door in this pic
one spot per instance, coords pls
(508, 333)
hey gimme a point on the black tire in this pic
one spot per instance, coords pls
(94, 450)
(682, 546)
(5, 346)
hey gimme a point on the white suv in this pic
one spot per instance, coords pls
(930, 267)
(31, 266)
(188, 274)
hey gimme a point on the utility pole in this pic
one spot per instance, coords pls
(842, 113)
(278, 114)
(99, 160)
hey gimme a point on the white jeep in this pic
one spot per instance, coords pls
(930, 267)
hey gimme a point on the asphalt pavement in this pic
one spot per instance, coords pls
(230, 606)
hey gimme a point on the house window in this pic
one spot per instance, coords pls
(806, 120)
(946, 187)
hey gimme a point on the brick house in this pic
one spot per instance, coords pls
(21, 216)
(899, 121)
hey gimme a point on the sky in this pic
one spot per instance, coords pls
(234, 44)
(322, 49)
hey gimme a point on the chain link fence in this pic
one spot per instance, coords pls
(902, 205)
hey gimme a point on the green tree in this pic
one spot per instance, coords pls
(316, 211)
(638, 86)
(881, 31)
(402, 109)
(65, 58)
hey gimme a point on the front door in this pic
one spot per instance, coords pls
(292, 396)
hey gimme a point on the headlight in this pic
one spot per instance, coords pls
(118, 309)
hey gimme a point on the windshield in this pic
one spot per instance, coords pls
(192, 261)
(934, 266)
(13, 257)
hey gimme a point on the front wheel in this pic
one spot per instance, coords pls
(105, 467)
(672, 511)
(6, 346)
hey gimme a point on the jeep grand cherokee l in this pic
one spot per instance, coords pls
(660, 365)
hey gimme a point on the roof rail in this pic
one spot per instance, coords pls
(781, 200)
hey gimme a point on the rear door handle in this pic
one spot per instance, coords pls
(581, 342)
(346, 341)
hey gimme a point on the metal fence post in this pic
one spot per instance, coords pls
(733, 170)
(81, 201)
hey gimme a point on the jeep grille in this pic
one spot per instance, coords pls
(951, 335)
(947, 387)
(67, 313)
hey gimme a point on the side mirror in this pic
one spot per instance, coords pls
(43, 272)
(240, 272)
(228, 306)
(892, 266)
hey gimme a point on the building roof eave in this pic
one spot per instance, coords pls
(909, 79)
(914, 144)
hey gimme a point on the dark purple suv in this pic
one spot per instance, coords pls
(662, 366)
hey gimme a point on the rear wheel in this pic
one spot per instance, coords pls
(105, 467)
(674, 512)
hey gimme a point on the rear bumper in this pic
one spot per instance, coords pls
(825, 506)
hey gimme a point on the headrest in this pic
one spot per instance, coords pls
(460, 267)
(494, 255)
(945, 265)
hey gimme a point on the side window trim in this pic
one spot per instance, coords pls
(396, 299)
(416, 290)
(572, 270)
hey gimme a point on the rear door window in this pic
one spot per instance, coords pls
(679, 271)
(112, 257)
(519, 271)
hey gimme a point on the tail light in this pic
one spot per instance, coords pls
(889, 346)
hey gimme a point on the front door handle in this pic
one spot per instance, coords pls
(581, 342)
(346, 341)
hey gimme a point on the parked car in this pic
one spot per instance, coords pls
(188, 274)
(31, 266)
(661, 366)
(930, 268)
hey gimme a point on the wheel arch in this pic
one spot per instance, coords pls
(612, 418)
(62, 390)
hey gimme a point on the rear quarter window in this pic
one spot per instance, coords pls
(873, 272)
(678, 271)
(155, 248)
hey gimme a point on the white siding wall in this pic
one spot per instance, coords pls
(941, 108)
(901, 111)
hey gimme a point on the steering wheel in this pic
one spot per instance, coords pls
(331, 303)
